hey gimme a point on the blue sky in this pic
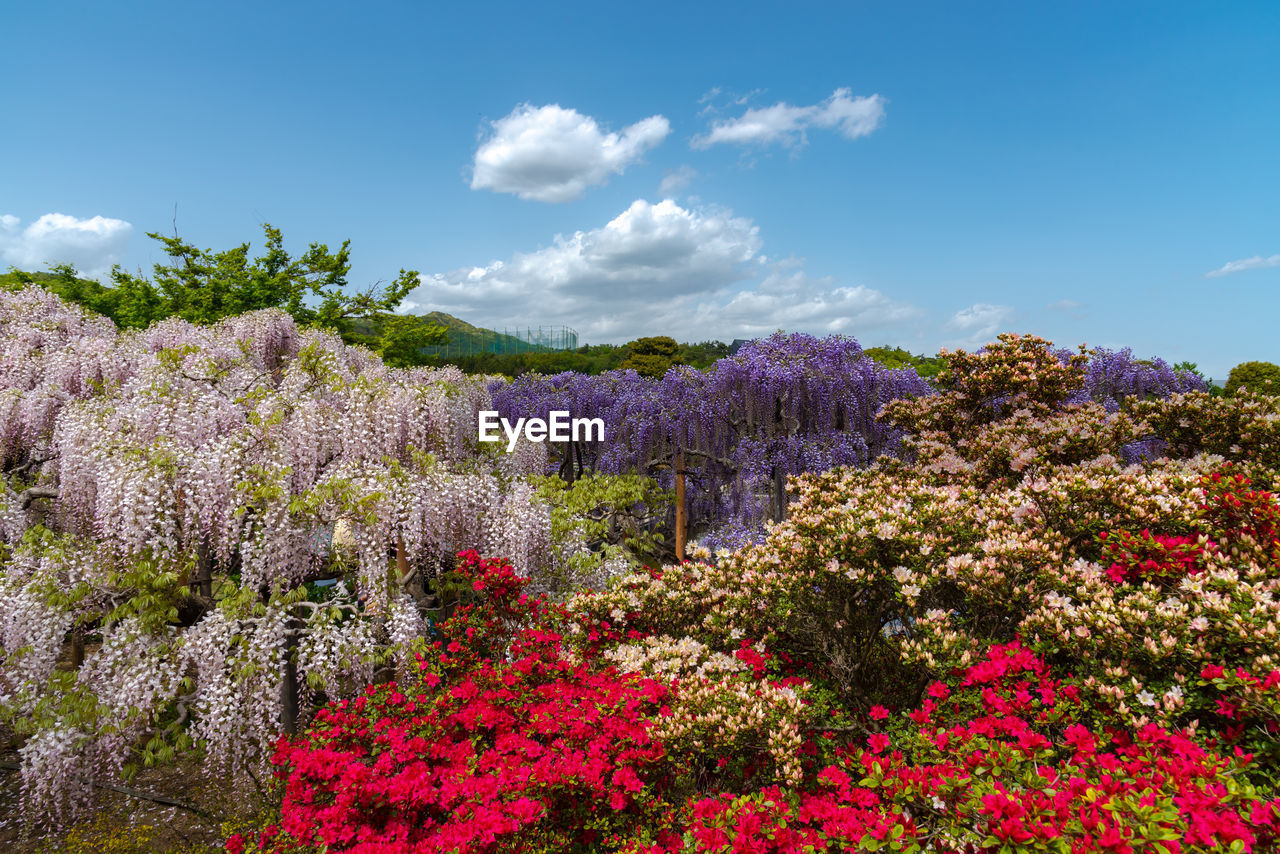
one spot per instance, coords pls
(918, 174)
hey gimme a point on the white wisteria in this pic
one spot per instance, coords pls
(170, 499)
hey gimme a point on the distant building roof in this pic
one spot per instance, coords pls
(737, 345)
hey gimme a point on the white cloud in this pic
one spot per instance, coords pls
(656, 269)
(711, 101)
(675, 180)
(851, 117)
(1257, 262)
(550, 154)
(91, 245)
(981, 321)
(797, 302)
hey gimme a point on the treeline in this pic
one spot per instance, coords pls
(642, 355)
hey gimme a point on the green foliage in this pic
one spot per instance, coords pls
(399, 339)
(702, 355)
(1189, 368)
(157, 592)
(130, 306)
(896, 357)
(651, 357)
(608, 514)
(203, 286)
(1258, 377)
(585, 360)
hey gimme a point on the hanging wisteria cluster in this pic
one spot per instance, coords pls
(783, 405)
(172, 496)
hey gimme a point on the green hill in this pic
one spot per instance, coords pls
(465, 339)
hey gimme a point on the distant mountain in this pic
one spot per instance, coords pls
(448, 321)
(465, 339)
(468, 339)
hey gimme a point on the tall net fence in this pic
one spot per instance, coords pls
(519, 339)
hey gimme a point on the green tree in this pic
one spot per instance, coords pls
(203, 286)
(1258, 377)
(702, 355)
(402, 338)
(896, 357)
(651, 357)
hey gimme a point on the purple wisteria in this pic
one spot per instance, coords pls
(783, 405)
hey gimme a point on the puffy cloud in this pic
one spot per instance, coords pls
(675, 180)
(550, 154)
(981, 321)
(656, 269)
(91, 245)
(851, 117)
(797, 301)
(1257, 262)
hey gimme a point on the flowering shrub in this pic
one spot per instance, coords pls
(995, 759)
(1246, 714)
(881, 579)
(1153, 557)
(537, 746)
(1142, 633)
(498, 737)
(1242, 428)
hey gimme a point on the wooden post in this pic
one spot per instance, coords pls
(779, 497)
(680, 520)
(402, 559)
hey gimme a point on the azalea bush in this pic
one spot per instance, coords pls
(544, 752)
(996, 761)
(496, 740)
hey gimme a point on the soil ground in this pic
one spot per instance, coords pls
(120, 824)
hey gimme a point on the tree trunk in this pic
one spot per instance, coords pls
(289, 684)
(402, 559)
